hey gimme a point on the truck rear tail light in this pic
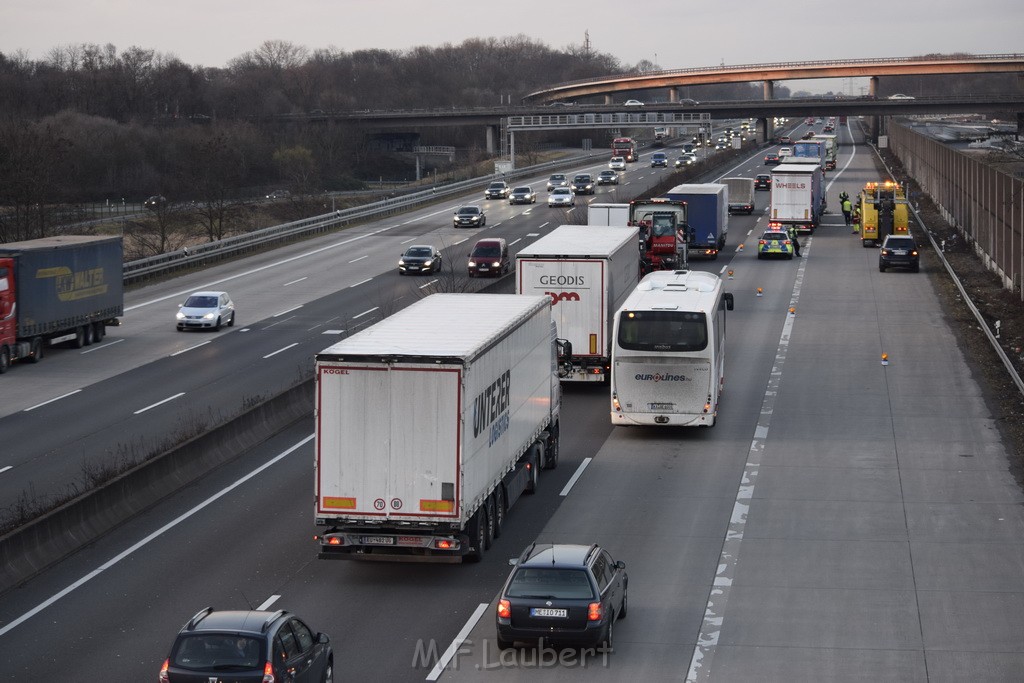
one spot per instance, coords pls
(594, 612)
(504, 609)
(444, 544)
(334, 540)
(615, 404)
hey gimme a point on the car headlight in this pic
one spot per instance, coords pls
(472, 264)
(427, 263)
(401, 262)
(495, 264)
(179, 315)
(209, 316)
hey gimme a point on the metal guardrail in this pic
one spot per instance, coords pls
(140, 269)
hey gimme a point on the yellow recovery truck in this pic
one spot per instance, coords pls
(883, 210)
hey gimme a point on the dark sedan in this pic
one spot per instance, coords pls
(420, 258)
(771, 159)
(469, 217)
(564, 594)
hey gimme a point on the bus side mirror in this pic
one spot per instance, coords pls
(728, 301)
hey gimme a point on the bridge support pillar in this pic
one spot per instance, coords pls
(608, 99)
(492, 137)
(673, 95)
(1020, 126)
(873, 86)
(765, 129)
(769, 90)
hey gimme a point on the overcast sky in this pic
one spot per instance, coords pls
(672, 33)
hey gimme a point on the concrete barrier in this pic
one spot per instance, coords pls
(49, 539)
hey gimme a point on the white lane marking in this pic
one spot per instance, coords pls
(428, 284)
(575, 475)
(544, 224)
(714, 611)
(5, 468)
(295, 281)
(159, 403)
(284, 312)
(456, 644)
(408, 240)
(534, 234)
(333, 332)
(191, 348)
(211, 285)
(360, 258)
(153, 536)
(496, 224)
(514, 241)
(102, 346)
(268, 602)
(360, 283)
(464, 239)
(40, 405)
(365, 312)
(274, 353)
(750, 232)
(722, 269)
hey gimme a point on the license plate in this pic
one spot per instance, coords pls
(547, 612)
(378, 540)
(661, 406)
(900, 252)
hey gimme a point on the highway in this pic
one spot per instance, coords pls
(844, 520)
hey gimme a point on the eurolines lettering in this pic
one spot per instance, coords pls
(490, 408)
(660, 377)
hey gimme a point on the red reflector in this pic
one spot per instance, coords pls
(505, 609)
(443, 544)
(333, 540)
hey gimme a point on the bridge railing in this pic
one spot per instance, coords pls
(141, 269)
(777, 65)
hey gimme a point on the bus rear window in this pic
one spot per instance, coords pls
(662, 331)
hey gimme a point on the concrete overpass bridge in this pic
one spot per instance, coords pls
(873, 69)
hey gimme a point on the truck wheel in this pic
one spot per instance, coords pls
(476, 532)
(79, 338)
(36, 350)
(5, 359)
(99, 331)
(499, 510)
(551, 462)
(534, 472)
(87, 333)
(489, 524)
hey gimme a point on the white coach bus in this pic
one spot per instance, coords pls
(668, 355)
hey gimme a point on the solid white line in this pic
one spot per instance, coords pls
(153, 536)
(464, 239)
(159, 403)
(294, 281)
(514, 241)
(191, 348)
(408, 240)
(361, 283)
(102, 346)
(456, 644)
(211, 285)
(268, 602)
(576, 475)
(280, 350)
(714, 611)
(285, 312)
(360, 258)
(5, 468)
(365, 312)
(40, 405)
